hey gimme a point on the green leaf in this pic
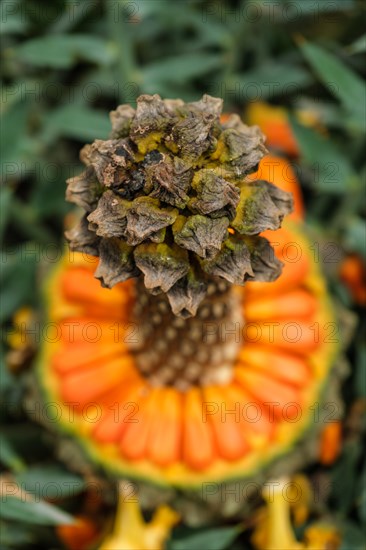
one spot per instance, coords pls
(40, 513)
(78, 122)
(340, 80)
(11, 23)
(344, 478)
(269, 80)
(14, 535)
(5, 199)
(8, 455)
(214, 539)
(304, 7)
(332, 171)
(352, 537)
(47, 198)
(25, 218)
(26, 437)
(6, 379)
(360, 372)
(362, 502)
(147, 8)
(50, 482)
(13, 129)
(354, 238)
(17, 277)
(72, 13)
(358, 46)
(62, 51)
(180, 68)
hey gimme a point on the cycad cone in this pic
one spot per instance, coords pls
(159, 434)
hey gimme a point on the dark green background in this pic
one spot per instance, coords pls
(65, 65)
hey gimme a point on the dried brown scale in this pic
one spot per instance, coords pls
(214, 195)
(81, 237)
(165, 194)
(84, 190)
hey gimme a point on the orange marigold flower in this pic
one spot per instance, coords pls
(330, 443)
(353, 274)
(80, 535)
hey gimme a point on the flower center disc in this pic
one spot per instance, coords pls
(200, 350)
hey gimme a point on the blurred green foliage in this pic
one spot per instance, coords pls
(67, 63)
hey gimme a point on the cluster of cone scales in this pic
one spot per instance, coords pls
(167, 199)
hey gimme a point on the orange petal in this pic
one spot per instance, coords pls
(88, 329)
(274, 123)
(269, 390)
(79, 286)
(130, 379)
(105, 312)
(292, 335)
(286, 367)
(119, 412)
(296, 302)
(79, 259)
(134, 442)
(198, 444)
(165, 433)
(253, 417)
(86, 386)
(82, 354)
(230, 440)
